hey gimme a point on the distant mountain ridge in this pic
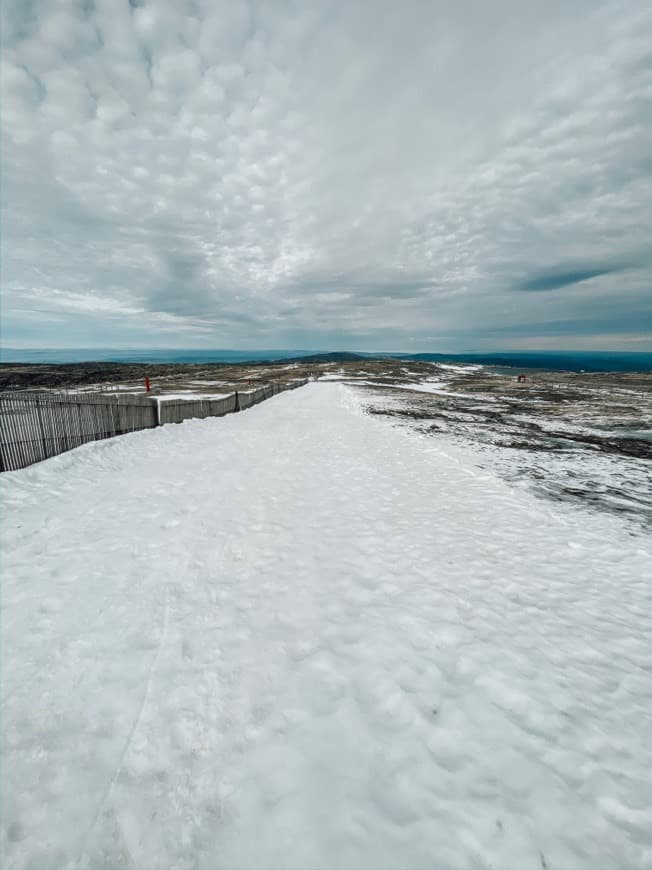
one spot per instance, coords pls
(588, 361)
(579, 361)
(334, 356)
(572, 361)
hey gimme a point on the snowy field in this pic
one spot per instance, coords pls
(579, 438)
(302, 637)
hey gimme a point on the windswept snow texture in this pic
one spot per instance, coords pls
(300, 637)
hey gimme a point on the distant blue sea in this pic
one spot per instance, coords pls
(587, 361)
(177, 355)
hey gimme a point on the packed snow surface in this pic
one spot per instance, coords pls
(300, 637)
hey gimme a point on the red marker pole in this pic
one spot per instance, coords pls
(146, 384)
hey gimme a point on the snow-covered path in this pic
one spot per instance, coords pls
(299, 637)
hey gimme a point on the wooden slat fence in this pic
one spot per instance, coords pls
(37, 425)
(178, 410)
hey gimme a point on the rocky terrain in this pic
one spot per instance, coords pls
(130, 378)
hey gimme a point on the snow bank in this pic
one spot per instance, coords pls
(300, 637)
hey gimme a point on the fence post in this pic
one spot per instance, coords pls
(157, 411)
(237, 402)
(40, 424)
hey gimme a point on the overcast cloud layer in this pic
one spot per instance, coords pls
(366, 174)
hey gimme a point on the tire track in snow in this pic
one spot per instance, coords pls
(134, 728)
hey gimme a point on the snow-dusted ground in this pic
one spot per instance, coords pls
(558, 439)
(302, 637)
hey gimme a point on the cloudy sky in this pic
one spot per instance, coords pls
(361, 174)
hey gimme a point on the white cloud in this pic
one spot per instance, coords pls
(365, 175)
